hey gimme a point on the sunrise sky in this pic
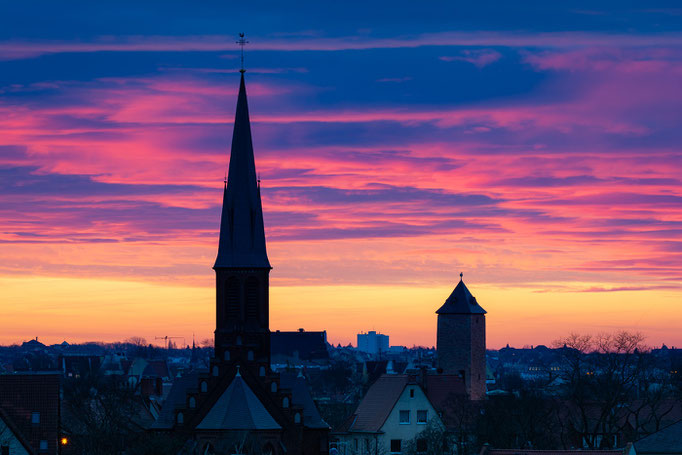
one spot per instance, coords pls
(534, 147)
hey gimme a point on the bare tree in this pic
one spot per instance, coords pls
(602, 375)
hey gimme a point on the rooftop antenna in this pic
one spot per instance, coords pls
(242, 42)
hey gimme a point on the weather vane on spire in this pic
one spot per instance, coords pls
(242, 42)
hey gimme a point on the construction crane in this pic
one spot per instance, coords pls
(166, 338)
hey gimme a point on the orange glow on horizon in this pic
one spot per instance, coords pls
(79, 310)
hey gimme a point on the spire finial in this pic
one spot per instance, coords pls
(238, 373)
(461, 276)
(242, 42)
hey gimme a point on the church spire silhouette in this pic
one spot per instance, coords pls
(242, 233)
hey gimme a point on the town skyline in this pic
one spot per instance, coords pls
(540, 160)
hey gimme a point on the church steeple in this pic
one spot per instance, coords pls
(242, 334)
(242, 234)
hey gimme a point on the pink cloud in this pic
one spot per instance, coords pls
(478, 57)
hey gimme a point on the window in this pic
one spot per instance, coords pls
(180, 418)
(261, 371)
(249, 355)
(227, 355)
(43, 445)
(368, 447)
(35, 418)
(273, 387)
(404, 417)
(422, 417)
(192, 402)
(204, 386)
(4, 450)
(252, 297)
(355, 443)
(411, 393)
(216, 372)
(285, 402)
(395, 445)
(422, 447)
(297, 419)
(232, 299)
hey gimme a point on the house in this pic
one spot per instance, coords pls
(486, 450)
(667, 441)
(11, 440)
(29, 406)
(395, 410)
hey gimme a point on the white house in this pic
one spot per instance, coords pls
(394, 411)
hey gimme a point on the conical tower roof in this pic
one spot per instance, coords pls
(461, 301)
(242, 234)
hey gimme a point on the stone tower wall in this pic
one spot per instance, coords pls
(460, 345)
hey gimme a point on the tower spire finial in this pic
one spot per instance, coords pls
(242, 42)
(461, 276)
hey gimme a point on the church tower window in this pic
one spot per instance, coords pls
(252, 298)
(232, 299)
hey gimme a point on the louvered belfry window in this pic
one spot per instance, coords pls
(232, 299)
(252, 297)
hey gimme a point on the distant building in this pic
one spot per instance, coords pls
(461, 340)
(299, 346)
(372, 342)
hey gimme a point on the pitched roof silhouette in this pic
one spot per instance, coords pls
(461, 302)
(300, 396)
(242, 234)
(238, 408)
(667, 440)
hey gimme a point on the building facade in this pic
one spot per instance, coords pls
(372, 342)
(390, 417)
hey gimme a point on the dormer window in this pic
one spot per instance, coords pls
(35, 418)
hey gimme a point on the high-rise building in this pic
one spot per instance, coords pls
(372, 342)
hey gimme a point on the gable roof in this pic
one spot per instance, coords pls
(23, 394)
(377, 404)
(238, 408)
(461, 302)
(14, 430)
(176, 398)
(667, 440)
(300, 396)
(488, 451)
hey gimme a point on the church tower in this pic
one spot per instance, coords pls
(460, 342)
(242, 268)
(240, 405)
